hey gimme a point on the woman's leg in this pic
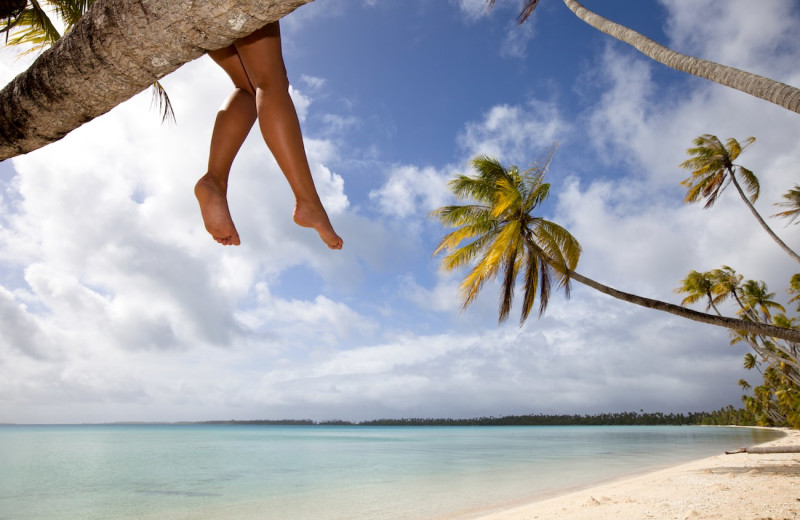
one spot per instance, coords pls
(233, 123)
(261, 56)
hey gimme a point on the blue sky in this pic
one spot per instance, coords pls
(116, 305)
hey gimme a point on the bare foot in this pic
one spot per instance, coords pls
(314, 216)
(214, 209)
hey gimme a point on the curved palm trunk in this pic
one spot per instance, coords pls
(764, 329)
(119, 48)
(760, 220)
(767, 89)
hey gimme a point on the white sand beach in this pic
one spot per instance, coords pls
(743, 486)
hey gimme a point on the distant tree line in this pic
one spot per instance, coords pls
(729, 416)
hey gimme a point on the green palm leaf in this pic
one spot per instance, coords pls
(497, 232)
(34, 27)
(792, 202)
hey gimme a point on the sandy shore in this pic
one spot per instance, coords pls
(743, 486)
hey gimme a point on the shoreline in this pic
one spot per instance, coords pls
(742, 486)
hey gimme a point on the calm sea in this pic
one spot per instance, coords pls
(174, 472)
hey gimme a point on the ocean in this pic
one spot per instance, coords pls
(244, 472)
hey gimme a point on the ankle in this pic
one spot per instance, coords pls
(216, 182)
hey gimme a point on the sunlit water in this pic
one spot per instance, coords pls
(173, 472)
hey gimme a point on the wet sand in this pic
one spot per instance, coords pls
(743, 486)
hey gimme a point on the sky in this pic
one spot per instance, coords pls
(116, 305)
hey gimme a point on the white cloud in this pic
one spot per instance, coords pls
(301, 103)
(515, 134)
(314, 83)
(118, 306)
(637, 223)
(515, 43)
(445, 296)
(472, 9)
(410, 190)
(748, 42)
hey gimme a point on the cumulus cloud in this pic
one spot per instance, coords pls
(749, 43)
(515, 134)
(118, 306)
(410, 190)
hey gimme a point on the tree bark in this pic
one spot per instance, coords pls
(116, 50)
(760, 220)
(767, 89)
(764, 329)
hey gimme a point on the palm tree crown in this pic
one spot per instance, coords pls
(713, 169)
(698, 286)
(503, 235)
(756, 297)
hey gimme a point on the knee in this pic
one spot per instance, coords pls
(245, 90)
(275, 82)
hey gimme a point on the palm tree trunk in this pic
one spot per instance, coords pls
(711, 303)
(764, 329)
(760, 220)
(119, 48)
(767, 89)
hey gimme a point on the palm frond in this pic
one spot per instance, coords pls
(510, 267)
(525, 13)
(507, 197)
(35, 28)
(71, 11)
(537, 194)
(527, 10)
(10, 11)
(161, 99)
(465, 187)
(750, 182)
(531, 282)
(792, 202)
(735, 148)
(503, 234)
(712, 169)
(454, 238)
(557, 243)
(506, 241)
(545, 275)
(467, 253)
(454, 216)
(713, 188)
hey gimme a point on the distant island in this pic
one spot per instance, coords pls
(724, 417)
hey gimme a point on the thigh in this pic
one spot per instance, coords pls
(261, 55)
(228, 58)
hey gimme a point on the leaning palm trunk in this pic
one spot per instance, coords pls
(119, 48)
(767, 89)
(751, 327)
(760, 220)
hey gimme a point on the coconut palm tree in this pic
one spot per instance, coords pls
(726, 284)
(792, 202)
(698, 286)
(34, 28)
(116, 50)
(794, 290)
(756, 297)
(505, 237)
(713, 169)
(767, 89)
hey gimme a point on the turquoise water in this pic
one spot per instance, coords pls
(174, 472)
